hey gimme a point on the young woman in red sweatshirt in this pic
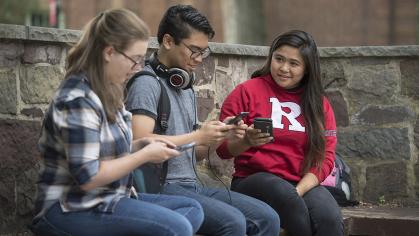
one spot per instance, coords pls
(285, 170)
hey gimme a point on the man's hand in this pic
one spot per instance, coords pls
(238, 131)
(212, 132)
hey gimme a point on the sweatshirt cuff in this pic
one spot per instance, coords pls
(318, 173)
(223, 152)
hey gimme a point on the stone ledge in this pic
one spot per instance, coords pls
(370, 51)
(381, 221)
(71, 36)
(13, 31)
(8, 31)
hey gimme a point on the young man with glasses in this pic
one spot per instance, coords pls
(183, 37)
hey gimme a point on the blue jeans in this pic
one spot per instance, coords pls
(243, 215)
(316, 213)
(150, 215)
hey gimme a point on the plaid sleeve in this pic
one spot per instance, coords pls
(79, 126)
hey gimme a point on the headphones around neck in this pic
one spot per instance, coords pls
(176, 78)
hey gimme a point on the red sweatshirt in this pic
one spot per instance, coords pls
(262, 97)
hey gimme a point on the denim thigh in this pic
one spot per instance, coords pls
(325, 214)
(187, 207)
(281, 196)
(228, 212)
(130, 217)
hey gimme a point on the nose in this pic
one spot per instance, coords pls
(284, 67)
(198, 58)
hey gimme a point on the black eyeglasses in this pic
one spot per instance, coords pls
(204, 53)
(140, 61)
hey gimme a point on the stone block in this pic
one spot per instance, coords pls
(38, 83)
(380, 143)
(18, 140)
(7, 200)
(223, 86)
(210, 178)
(388, 181)
(239, 49)
(33, 112)
(238, 71)
(369, 51)
(223, 61)
(358, 169)
(370, 83)
(52, 34)
(332, 74)
(10, 53)
(379, 115)
(37, 53)
(8, 91)
(19, 164)
(416, 137)
(410, 78)
(26, 191)
(340, 108)
(253, 64)
(416, 170)
(220, 167)
(205, 73)
(205, 100)
(12, 31)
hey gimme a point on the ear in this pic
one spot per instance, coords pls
(108, 51)
(168, 41)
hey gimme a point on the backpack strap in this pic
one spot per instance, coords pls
(152, 171)
(163, 108)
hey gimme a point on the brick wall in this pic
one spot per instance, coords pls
(332, 23)
(374, 92)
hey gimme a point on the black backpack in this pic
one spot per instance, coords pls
(150, 177)
(339, 183)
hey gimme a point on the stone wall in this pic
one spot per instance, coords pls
(374, 92)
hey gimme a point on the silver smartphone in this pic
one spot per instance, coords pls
(185, 147)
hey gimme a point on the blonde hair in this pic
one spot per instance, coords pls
(118, 28)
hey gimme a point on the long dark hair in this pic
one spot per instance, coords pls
(118, 28)
(312, 96)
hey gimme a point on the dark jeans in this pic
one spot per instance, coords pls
(243, 215)
(151, 215)
(316, 213)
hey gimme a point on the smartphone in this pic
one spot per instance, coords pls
(238, 118)
(264, 124)
(185, 147)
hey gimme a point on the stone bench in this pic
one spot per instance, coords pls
(360, 220)
(365, 221)
(381, 221)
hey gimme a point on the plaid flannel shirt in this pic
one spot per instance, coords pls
(75, 137)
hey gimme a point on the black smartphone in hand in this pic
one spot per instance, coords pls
(264, 124)
(238, 118)
(185, 147)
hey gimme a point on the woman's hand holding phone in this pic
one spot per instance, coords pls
(158, 152)
(260, 132)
